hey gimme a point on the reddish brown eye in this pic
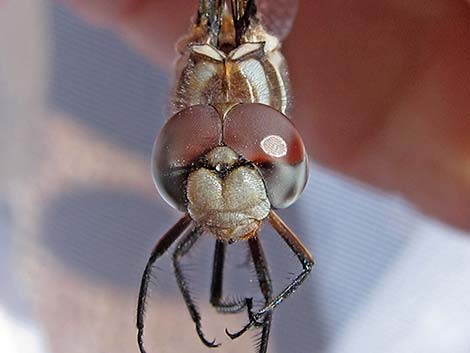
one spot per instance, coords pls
(184, 138)
(267, 138)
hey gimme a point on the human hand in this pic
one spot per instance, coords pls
(381, 89)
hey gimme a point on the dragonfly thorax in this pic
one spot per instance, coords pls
(222, 67)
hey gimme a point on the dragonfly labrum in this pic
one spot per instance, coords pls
(228, 157)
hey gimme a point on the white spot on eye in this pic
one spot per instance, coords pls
(274, 145)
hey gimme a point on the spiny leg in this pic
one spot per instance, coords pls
(210, 13)
(243, 12)
(182, 249)
(305, 259)
(224, 306)
(160, 248)
(265, 285)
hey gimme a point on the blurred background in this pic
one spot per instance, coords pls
(79, 111)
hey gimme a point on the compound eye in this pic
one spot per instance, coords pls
(184, 138)
(268, 139)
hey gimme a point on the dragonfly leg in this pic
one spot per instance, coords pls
(305, 259)
(160, 248)
(265, 285)
(231, 305)
(182, 249)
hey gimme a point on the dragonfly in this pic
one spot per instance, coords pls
(228, 158)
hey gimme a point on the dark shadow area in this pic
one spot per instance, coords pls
(105, 235)
(98, 80)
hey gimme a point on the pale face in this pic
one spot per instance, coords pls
(230, 200)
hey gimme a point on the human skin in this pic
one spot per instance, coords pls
(381, 88)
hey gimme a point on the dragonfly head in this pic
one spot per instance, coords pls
(228, 172)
